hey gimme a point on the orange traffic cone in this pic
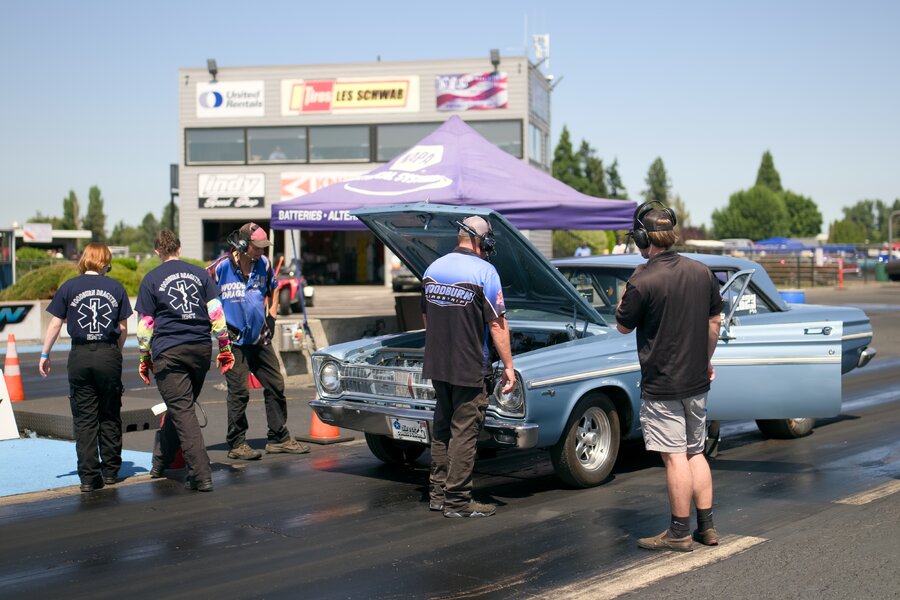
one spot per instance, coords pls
(252, 382)
(11, 371)
(322, 433)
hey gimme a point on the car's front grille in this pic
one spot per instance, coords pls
(389, 382)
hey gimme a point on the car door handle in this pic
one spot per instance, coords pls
(817, 331)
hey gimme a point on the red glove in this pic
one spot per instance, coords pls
(225, 361)
(145, 368)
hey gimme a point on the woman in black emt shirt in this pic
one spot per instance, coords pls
(95, 309)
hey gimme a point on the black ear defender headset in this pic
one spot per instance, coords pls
(240, 240)
(486, 242)
(640, 229)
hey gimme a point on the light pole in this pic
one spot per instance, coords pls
(173, 191)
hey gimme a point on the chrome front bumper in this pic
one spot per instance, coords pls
(373, 418)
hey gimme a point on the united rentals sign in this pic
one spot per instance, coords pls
(357, 95)
(227, 190)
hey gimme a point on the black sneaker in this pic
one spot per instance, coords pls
(92, 486)
(203, 485)
(436, 505)
(244, 452)
(157, 472)
(110, 479)
(472, 509)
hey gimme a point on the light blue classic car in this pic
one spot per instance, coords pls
(578, 379)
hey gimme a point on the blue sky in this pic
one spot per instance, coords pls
(90, 87)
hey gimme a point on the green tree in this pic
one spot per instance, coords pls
(614, 181)
(847, 231)
(71, 218)
(767, 175)
(863, 214)
(592, 167)
(658, 183)
(40, 217)
(757, 213)
(884, 211)
(806, 220)
(566, 166)
(682, 216)
(95, 219)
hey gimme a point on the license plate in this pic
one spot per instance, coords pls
(409, 429)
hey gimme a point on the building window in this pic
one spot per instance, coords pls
(535, 144)
(505, 134)
(343, 143)
(204, 146)
(391, 140)
(276, 144)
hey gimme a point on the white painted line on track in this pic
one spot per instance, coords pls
(662, 565)
(891, 487)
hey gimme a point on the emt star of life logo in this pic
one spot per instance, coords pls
(184, 296)
(94, 315)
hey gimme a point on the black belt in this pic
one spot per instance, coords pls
(80, 342)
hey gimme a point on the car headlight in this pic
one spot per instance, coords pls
(511, 403)
(330, 377)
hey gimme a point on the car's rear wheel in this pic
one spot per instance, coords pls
(585, 455)
(394, 452)
(786, 428)
(284, 302)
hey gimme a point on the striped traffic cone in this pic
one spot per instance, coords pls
(11, 372)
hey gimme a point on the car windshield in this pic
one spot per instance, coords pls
(601, 287)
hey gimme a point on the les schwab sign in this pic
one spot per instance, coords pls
(357, 95)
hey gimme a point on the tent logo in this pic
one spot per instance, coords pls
(404, 176)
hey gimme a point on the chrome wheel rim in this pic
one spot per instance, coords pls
(593, 438)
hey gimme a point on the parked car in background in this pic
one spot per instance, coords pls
(287, 292)
(577, 391)
(402, 279)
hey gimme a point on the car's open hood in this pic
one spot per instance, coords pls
(420, 233)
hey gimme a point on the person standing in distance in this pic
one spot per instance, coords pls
(246, 283)
(178, 307)
(95, 310)
(674, 304)
(463, 310)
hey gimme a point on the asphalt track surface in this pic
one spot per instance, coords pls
(809, 518)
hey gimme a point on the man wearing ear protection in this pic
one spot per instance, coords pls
(246, 283)
(674, 304)
(463, 309)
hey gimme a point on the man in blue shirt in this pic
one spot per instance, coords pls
(246, 283)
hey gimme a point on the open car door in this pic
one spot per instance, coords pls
(770, 370)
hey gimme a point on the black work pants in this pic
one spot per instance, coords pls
(95, 396)
(262, 362)
(180, 372)
(458, 419)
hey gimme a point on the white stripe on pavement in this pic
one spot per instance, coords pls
(891, 487)
(651, 570)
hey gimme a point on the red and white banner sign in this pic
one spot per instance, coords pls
(474, 91)
(300, 184)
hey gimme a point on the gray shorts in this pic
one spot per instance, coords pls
(674, 426)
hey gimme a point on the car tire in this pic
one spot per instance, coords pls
(394, 452)
(284, 302)
(585, 455)
(786, 429)
(713, 437)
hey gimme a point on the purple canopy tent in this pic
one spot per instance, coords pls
(455, 165)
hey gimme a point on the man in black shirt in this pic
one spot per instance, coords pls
(463, 308)
(674, 304)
